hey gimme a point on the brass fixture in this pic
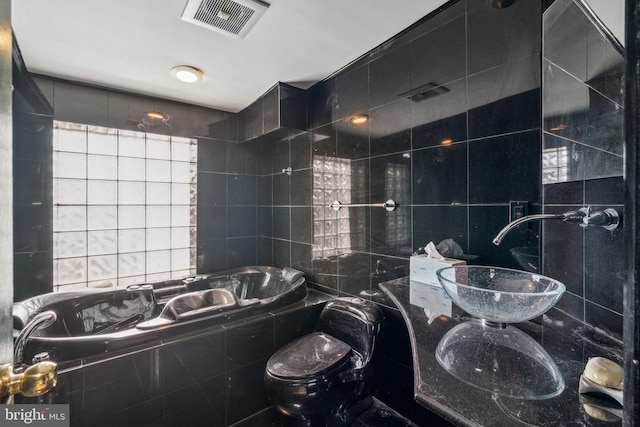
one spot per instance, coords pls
(31, 381)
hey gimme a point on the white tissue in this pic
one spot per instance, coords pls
(432, 252)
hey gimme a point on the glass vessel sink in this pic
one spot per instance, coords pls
(500, 295)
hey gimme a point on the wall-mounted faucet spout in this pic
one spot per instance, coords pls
(571, 216)
(41, 320)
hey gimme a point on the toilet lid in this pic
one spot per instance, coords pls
(311, 355)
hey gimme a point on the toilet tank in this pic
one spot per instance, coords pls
(354, 321)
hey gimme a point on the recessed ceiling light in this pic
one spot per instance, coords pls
(187, 74)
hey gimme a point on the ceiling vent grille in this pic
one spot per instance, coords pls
(233, 18)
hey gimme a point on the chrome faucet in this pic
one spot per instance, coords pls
(571, 216)
(607, 218)
(40, 320)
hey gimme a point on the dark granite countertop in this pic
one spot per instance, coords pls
(568, 342)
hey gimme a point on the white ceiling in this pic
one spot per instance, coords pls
(132, 44)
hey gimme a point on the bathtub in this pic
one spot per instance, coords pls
(92, 324)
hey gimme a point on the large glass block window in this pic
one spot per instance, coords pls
(124, 206)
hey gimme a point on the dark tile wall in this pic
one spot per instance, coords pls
(583, 114)
(454, 135)
(33, 204)
(590, 262)
(32, 187)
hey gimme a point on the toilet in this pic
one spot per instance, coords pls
(321, 378)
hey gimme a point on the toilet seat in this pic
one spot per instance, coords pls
(313, 355)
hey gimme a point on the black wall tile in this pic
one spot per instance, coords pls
(301, 151)
(352, 92)
(562, 93)
(282, 189)
(604, 191)
(241, 252)
(323, 101)
(271, 113)
(505, 98)
(505, 168)
(354, 276)
(324, 141)
(606, 320)
(242, 158)
(437, 223)
(32, 274)
(484, 224)
(389, 76)
(390, 128)
(266, 190)
(281, 222)
(212, 255)
(301, 255)
(440, 117)
(564, 251)
(212, 222)
(212, 189)
(280, 156)
(281, 253)
(265, 251)
(564, 192)
(212, 155)
(603, 267)
(249, 343)
(266, 221)
(440, 174)
(242, 190)
(352, 140)
(242, 221)
(250, 121)
(388, 178)
(181, 122)
(301, 187)
(301, 225)
(245, 392)
(498, 36)
(81, 104)
(439, 56)
(204, 118)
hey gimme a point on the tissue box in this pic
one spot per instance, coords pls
(423, 269)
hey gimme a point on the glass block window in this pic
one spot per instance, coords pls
(124, 206)
(341, 231)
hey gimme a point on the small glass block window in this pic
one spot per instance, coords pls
(124, 206)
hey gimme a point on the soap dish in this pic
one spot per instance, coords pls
(588, 386)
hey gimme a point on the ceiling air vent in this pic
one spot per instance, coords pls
(233, 18)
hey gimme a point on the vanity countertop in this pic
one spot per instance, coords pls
(568, 342)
